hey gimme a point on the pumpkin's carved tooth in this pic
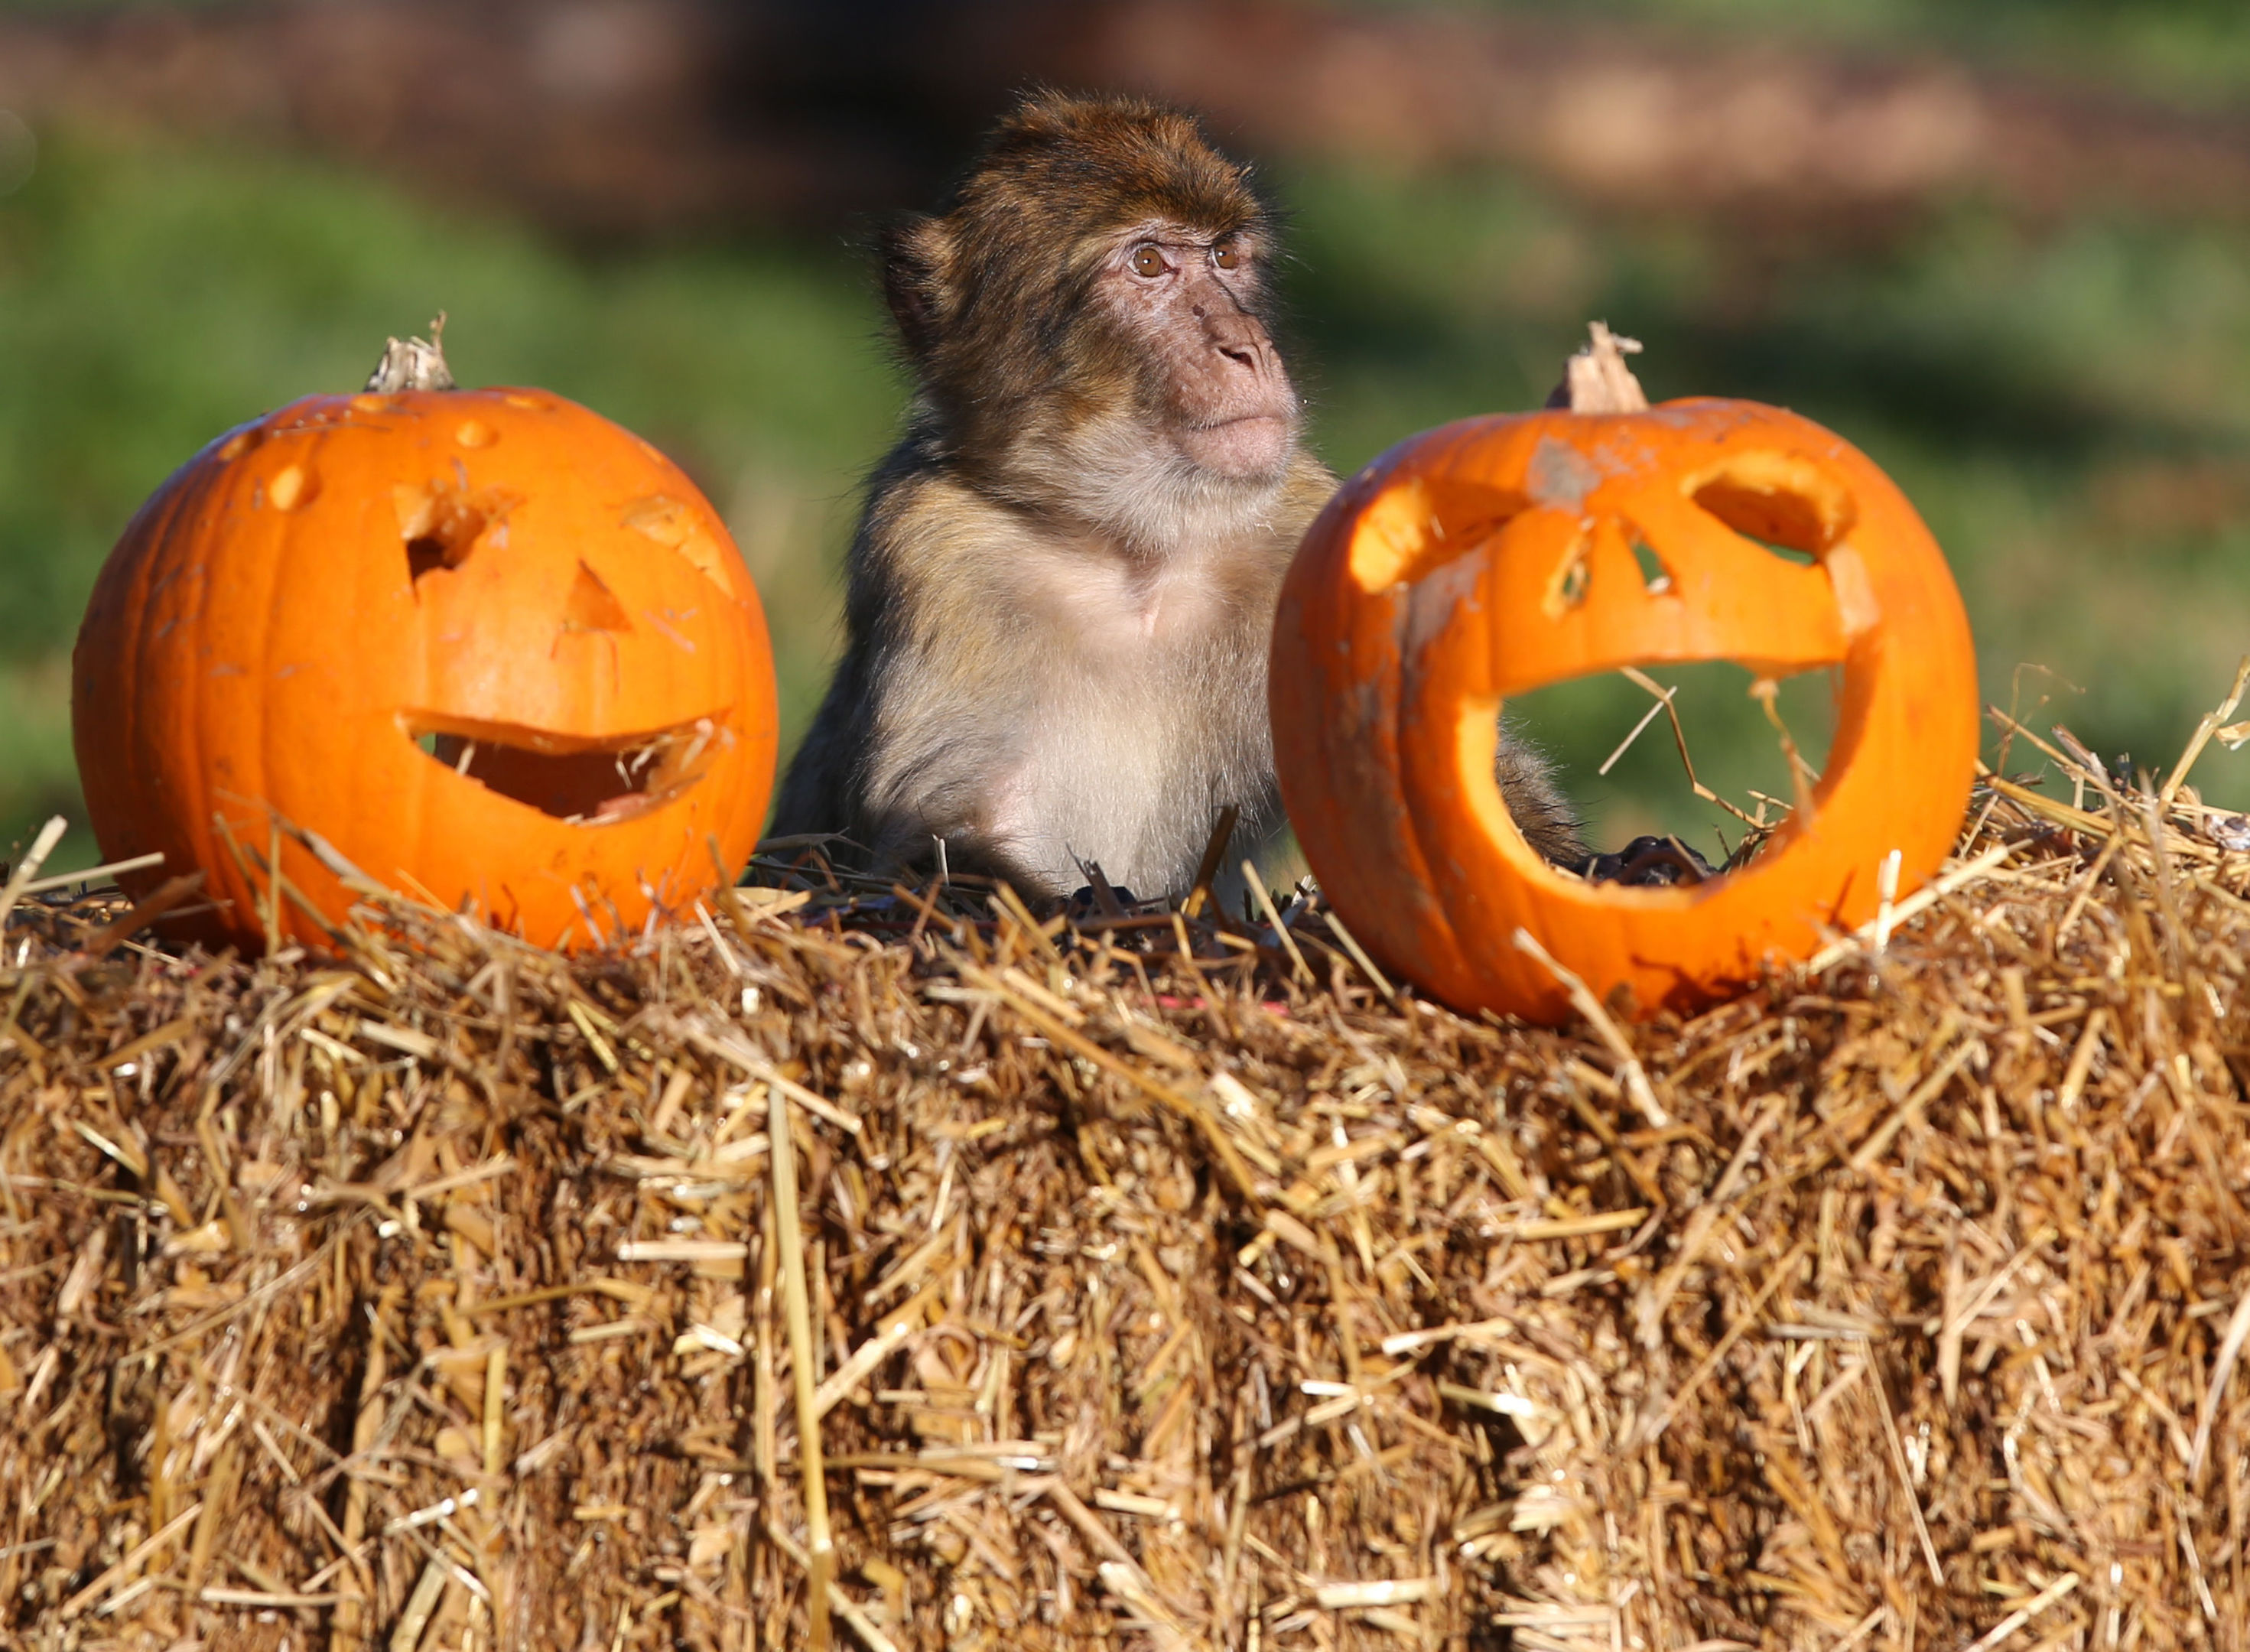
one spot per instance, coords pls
(1856, 604)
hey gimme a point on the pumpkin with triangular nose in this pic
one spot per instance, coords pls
(1478, 561)
(485, 646)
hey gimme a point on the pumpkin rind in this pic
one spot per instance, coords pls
(1495, 555)
(260, 642)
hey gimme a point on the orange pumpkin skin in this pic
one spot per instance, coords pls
(1495, 555)
(319, 589)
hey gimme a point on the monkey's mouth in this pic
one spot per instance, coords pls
(1276, 420)
(1248, 445)
(574, 779)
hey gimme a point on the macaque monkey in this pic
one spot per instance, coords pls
(1061, 592)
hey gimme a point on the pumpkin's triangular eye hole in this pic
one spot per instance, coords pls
(442, 523)
(669, 522)
(1653, 573)
(1418, 525)
(426, 553)
(592, 605)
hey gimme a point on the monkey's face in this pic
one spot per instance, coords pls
(1179, 309)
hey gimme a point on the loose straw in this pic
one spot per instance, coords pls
(42, 847)
(1630, 1073)
(818, 1543)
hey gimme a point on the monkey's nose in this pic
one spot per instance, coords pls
(1251, 353)
(1236, 336)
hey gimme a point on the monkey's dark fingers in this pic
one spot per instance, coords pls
(1650, 862)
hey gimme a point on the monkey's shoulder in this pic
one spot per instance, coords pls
(1308, 486)
(923, 513)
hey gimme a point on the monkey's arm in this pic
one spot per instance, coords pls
(912, 741)
(816, 793)
(1540, 810)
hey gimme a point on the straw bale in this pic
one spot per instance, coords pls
(1161, 1286)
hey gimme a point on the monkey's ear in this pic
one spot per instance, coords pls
(917, 254)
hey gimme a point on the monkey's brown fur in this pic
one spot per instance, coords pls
(1061, 592)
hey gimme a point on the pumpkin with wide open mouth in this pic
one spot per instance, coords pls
(493, 650)
(1491, 557)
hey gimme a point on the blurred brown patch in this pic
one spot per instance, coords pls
(623, 116)
(2172, 497)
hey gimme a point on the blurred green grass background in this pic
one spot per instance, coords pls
(2067, 401)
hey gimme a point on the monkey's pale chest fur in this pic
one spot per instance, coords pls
(1127, 612)
(1078, 702)
(1156, 721)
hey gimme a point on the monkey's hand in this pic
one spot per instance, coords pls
(1649, 862)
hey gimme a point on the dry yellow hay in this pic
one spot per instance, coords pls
(433, 1297)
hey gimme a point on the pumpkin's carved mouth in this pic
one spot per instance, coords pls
(570, 777)
(1760, 752)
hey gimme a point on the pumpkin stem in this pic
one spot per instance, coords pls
(415, 364)
(1596, 380)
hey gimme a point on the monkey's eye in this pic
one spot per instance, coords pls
(1149, 262)
(1226, 255)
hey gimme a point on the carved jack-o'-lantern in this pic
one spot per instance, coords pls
(499, 653)
(1496, 555)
